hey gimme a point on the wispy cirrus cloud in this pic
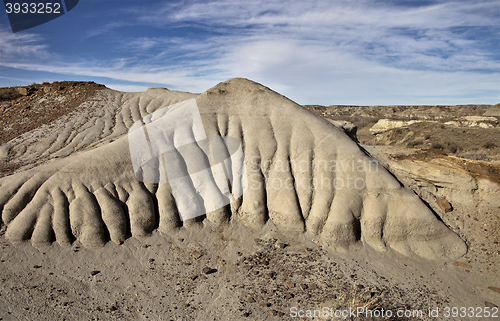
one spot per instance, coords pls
(320, 51)
(438, 14)
(19, 47)
(432, 37)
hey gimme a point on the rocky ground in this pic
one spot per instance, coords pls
(449, 155)
(26, 108)
(219, 277)
(23, 109)
(466, 131)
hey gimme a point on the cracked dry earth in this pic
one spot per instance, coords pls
(242, 263)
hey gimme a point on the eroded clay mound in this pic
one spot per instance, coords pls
(304, 175)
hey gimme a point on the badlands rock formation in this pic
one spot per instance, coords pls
(305, 175)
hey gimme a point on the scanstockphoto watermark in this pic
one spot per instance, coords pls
(359, 312)
(401, 313)
(348, 173)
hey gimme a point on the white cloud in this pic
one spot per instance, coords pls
(307, 74)
(316, 52)
(175, 78)
(323, 13)
(126, 88)
(318, 74)
(25, 46)
(104, 29)
(404, 37)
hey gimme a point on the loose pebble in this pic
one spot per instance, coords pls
(280, 245)
(208, 270)
(490, 305)
(494, 289)
(461, 264)
(444, 205)
(196, 254)
(270, 275)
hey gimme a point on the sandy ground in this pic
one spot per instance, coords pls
(267, 278)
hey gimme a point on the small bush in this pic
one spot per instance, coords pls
(360, 121)
(363, 123)
(451, 148)
(475, 155)
(437, 146)
(489, 145)
(413, 143)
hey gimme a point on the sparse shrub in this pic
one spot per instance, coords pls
(371, 142)
(489, 145)
(475, 155)
(413, 143)
(360, 121)
(363, 123)
(437, 146)
(451, 147)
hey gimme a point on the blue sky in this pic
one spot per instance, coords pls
(367, 52)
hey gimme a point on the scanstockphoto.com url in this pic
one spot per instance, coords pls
(383, 314)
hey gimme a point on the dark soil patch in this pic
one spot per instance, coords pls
(25, 108)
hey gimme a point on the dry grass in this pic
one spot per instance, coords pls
(371, 307)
